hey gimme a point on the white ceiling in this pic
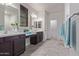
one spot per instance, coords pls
(49, 7)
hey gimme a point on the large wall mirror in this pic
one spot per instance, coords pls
(11, 17)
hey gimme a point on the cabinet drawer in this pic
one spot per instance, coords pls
(11, 38)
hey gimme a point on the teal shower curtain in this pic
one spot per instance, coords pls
(68, 32)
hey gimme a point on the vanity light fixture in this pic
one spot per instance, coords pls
(33, 15)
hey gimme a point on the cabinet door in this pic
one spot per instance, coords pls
(19, 45)
(5, 48)
(1, 40)
(40, 36)
(33, 39)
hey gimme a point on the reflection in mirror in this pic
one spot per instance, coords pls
(11, 18)
(1, 18)
(35, 24)
(23, 16)
(33, 20)
(39, 24)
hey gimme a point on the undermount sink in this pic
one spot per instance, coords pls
(29, 33)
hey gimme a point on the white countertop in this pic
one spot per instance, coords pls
(10, 34)
(16, 33)
(13, 34)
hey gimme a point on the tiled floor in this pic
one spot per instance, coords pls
(52, 47)
(31, 49)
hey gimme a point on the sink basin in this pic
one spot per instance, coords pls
(29, 33)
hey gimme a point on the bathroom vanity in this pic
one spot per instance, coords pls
(36, 38)
(12, 45)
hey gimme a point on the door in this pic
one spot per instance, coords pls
(53, 28)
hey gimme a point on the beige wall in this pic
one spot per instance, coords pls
(59, 16)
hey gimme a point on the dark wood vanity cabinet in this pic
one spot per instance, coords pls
(39, 36)
(19, 45)
(5, 47)
(12, 45)
(33, 39)
(36, 38)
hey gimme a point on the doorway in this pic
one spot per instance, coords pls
(53, 29)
